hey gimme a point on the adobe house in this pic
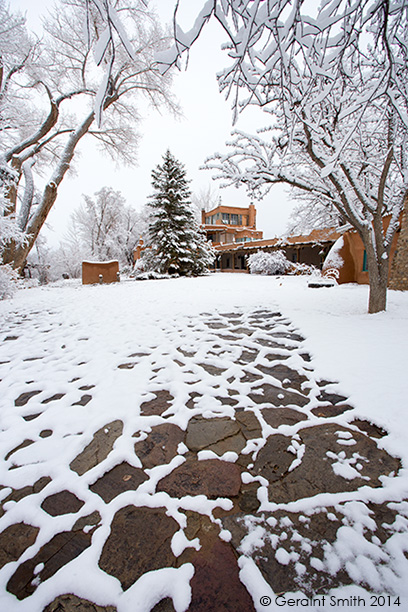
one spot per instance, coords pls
(224, 225)
(310, 249)
(94, 272)
(228, 225)
(234, 235)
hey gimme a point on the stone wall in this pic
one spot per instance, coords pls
(399, 267)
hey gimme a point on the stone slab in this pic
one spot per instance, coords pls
(14, 540)
(122, 477)
(329, 449)
(202, 433)
(139, 542)
(277, 396)
(158, 405)
(60, 503)
(282, 416)
(59, 551)
(160, 446)
(98, 449)
(71, 603)
(216, 584)
(211, 477)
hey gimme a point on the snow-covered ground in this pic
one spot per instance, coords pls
(66, 332)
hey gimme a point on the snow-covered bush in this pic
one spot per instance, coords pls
(268, 263)
(304, 269)
(8, 281)
(153, 275)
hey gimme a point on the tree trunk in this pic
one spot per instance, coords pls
(377, 301)
(378, 268)
(16, 255)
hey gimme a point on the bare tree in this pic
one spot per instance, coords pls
(65, 85)
(309, 214)
(104, 228)
(205, 199)
(335, 84)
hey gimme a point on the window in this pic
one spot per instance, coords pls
(244, 239)
(365, 266)
(234, 219)
(225, 218)
(210, 220)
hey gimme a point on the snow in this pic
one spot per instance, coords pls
(88, 331)
(334, 259)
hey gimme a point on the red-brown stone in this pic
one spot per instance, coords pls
(63, 502)
(122, 477)
(139, 542)
(211, 477)
(14, 540)
(59, 551)
(160, 446)
(158, 405)
(216, 584)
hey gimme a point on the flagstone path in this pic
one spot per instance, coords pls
(285, 468)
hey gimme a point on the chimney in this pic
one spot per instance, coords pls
(252, 216)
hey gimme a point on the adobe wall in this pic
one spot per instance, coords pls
(399, 264)
(356, 249)
(352, 254)
(91, 271)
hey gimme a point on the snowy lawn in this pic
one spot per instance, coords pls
(70, 340)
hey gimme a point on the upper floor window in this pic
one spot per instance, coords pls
(236, 219)
(225, 217)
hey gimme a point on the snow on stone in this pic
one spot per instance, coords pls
(95, 329)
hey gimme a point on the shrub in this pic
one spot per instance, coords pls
(268, 263)
(8, 281)
(302, 269)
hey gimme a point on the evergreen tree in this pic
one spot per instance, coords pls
(176, 244)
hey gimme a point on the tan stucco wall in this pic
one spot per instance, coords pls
(91, 271)
(399, 266)
(352, 254)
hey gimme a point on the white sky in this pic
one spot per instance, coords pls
(205, 128)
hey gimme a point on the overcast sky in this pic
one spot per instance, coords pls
(205, 127)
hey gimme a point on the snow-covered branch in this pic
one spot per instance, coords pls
(47, 124)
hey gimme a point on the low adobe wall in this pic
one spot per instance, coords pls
(92, 271)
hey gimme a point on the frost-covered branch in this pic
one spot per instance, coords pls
(49, 125)
(335, 79)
